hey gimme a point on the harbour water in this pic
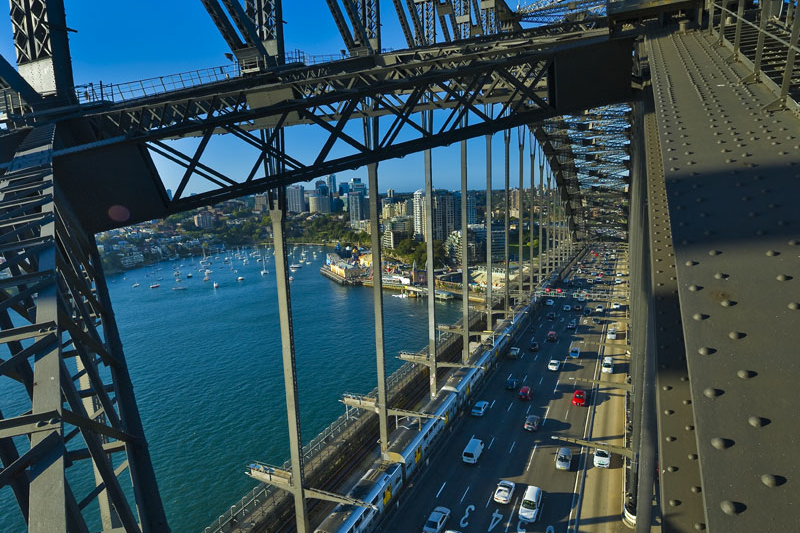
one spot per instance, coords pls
(206, 367)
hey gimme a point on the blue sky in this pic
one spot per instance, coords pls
(122, 41)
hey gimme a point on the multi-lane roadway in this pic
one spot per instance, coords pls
(528, 458)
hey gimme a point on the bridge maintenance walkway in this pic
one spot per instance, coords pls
(732, 175)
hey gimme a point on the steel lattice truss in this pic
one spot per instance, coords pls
(58, 328)
(555, 11)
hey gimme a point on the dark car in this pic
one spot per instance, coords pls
(511, 383)
(596, 320)
(551, 315)
(531, 423)
(552, 336)
(525, 393)
(534, 346)
(577, 307)
(572, 324)
(587, 311)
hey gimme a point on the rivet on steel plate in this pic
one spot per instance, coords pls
(737, 335)
(721, 443)
(772, 480)
(731, 507)
(712, 393)
(758, 421)
(746, 374)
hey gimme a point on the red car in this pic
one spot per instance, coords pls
(525, 393)
(579, 398)
(552, 336)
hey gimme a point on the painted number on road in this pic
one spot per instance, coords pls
(496, 518)
(464, 522)
(521, 527)
(550, 529)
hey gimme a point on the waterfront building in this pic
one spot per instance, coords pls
(295, 199)
(131, 259)
(204, 219)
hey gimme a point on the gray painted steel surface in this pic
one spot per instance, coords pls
(731, 188)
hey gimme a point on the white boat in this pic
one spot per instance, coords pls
(155, 285)
(295, 266)
(264, 272)
(189, 275)
(179, 288)
(216, 284)
(403, 295)
(240, 278)
(291, 278)
(135, 285)
(205, 278)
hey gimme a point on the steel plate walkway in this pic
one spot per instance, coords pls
(732, 175)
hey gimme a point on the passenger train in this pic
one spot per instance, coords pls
(381, 485)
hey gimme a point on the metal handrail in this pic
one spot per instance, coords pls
(772, 36)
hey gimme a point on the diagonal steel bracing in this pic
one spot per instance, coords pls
(58, 327)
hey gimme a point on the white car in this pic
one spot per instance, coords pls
(574, 352)
(554, 365)
(563, 458)
(615, 305)
(549, 302)
(599, 309)
(513, 353)
(531, 505)
(436, 520)
(480, 408)
(608, 365)
(567, 307)
(504, 491)
(602, 459)
(612, 334)
(618, 281)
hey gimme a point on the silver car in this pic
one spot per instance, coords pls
(563, 459)
(436, 521)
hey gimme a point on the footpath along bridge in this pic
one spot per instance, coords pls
(672, 125)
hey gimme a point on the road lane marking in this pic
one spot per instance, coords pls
(530, 460)
(545, 414)
(556, 387)
(526, 377)
(465, 494)
(440, 490)
(512, 446)
(528, 410)
(541, 379)
(487, 501)
(509, 406)
(492, 404)
(566, 414)
(492, 442)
